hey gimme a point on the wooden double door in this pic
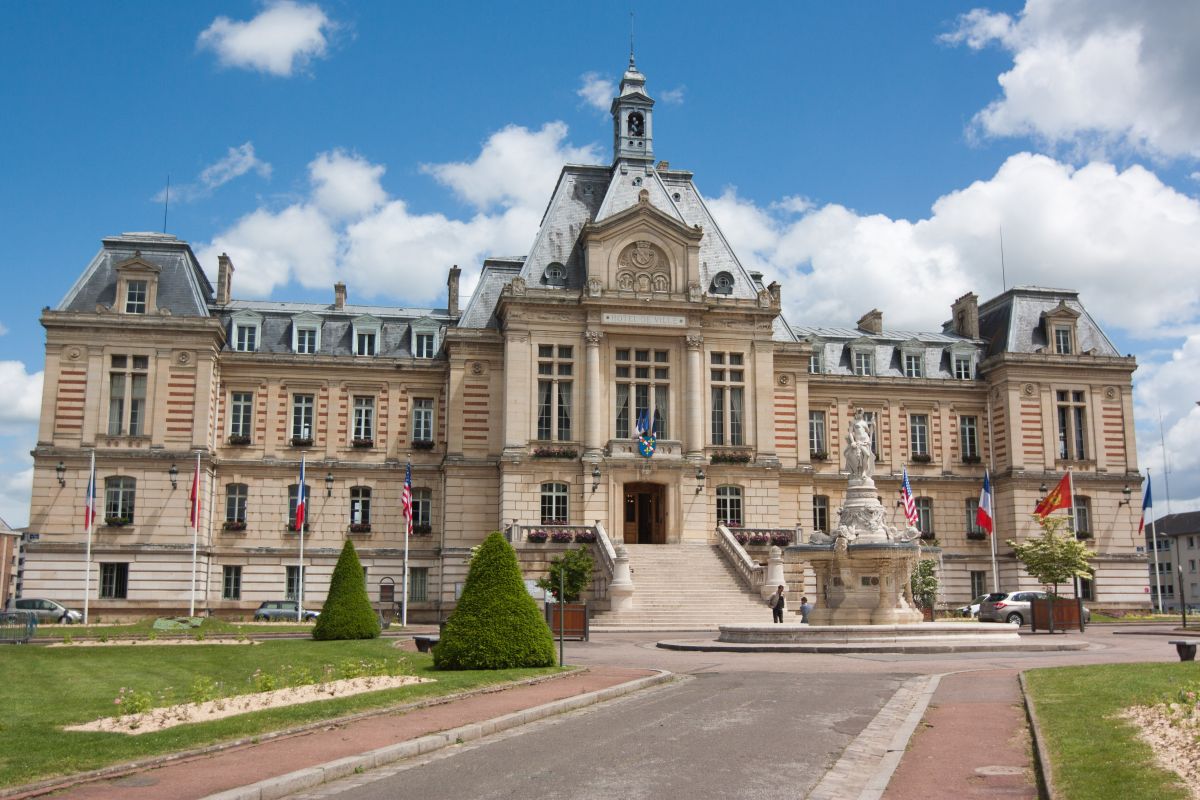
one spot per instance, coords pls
(645, 513)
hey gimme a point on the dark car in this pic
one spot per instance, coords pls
(46, 610)
(282, 611)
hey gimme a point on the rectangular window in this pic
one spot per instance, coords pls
(302, 417)
(418, 584)
(293, 492)
(127, 395)
(968, 435)
(918, 432)
(360, 505)
(119, 495)
(1062, 341)
(114, 581)
(973, 529)
(1087, 589)
(978, 582)
(925, 517)
(245, 338)
(816, 433)
(864, 363)
(422, 508)
(241, 414)
(1072, 419)
(643, 391)
(306, 340)
(424, 345)
(1083, 516)
(365, 343)
(292, 582)
(231, 582)
(236, 496)
(364, 419)
(814, 360)
(135, 297)
(554, 504)
(962, 368)
(913, 366)
(423, 419)
(729, 506)
(556, 370)
(821, 513)
(727, 376)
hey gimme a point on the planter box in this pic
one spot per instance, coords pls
(1067, 613)
(574, 619)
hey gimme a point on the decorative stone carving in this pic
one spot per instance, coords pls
(594, 287)
(643, 266)
(643, 195)
(1110, 393)
(73, 353)
(785, 379)
(183, 358)
(476, 368)
(694, 293)
(1028, 390)
(860, 458)
(518, 286)
(625, 281)
(593, 337)
(695, 342)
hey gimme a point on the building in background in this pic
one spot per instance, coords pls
(522, 409)
(10, 563)
(1178, 558)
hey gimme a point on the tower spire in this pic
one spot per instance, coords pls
(632, 65)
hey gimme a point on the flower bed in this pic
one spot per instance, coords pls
(234, 525)
(555, 452)
(729, 458)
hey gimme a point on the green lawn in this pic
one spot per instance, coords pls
(1094, 755)
(44, 689)
(211, 626)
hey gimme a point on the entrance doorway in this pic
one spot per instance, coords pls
(645, 513)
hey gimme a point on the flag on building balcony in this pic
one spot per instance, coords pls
(89, 499)
(910, 506)
(1147, 503)
(983, 514)
(1059, 497)
(406, 500)
(195, 515)
(301, 499)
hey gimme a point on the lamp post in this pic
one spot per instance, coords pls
(173, 474)
(329, 484)
(60, 472)
(699, 480)
(595, 477)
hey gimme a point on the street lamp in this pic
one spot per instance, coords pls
(173, 472)
(61, 473)
(1128, 494)
(595, 477)
(699, 480)
(329, 484)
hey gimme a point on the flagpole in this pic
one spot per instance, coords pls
(1074, 523)
(407, 529)
(992, 462)
(91, 523)
(1154, 541)
(195, 530)
(993, 532)
(302, 493)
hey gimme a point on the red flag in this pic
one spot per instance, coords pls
(195, 515)
(1059, 497)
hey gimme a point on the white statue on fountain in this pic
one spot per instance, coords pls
(859, 452)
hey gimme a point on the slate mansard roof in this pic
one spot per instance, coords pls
(836, 346)
(183, 288)
(1013, 322)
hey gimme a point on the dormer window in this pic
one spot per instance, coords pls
(722, 283)
(246, 332)
(914, 365)
(366, 332)
(424, 338)
(137, 286)
(306, 333)
(424, 347)
(556, 274)
(962, 363)
(1061, 329)
(1062, 340)
(864, 362)
(136, 293)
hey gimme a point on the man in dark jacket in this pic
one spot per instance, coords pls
(778, 604)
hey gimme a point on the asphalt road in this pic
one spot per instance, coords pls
(709, 735)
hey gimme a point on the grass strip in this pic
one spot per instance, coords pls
(45, 689)
(210, 626)
(1093, 754)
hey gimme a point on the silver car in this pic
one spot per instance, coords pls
(971, 609)
(46, 610)
(282, 611)
(1014, 607)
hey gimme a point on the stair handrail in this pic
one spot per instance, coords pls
(749, 570)
(608, 553)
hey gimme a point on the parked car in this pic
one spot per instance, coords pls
(46, 610)
(971, 609)
(1014, 607)
(282, 611)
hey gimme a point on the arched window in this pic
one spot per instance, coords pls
(554, 504)
(729, 506)
(118, 500)
(637, 124)
(556, 274)
(722, 283)
(360, 505)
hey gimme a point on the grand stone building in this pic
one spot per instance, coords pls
(519, 410)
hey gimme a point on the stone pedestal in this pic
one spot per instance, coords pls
(861, 584)
(620, 591)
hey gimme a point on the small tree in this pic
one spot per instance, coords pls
(924, 583)
(347, 613)
(496, 624)
(572, 570)
(1052, 558)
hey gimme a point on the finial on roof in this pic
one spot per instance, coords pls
(632, 65)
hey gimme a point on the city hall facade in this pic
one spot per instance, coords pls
(519, 406)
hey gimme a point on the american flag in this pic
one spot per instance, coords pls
(406, 500)
(910, 507)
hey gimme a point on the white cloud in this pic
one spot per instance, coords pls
(1170, 388)
(22, 395)
(349, 228)
(1094, 75)
(236, 163)
(597, 91)
(3, 329)
(1091, 229)
(281, 40)
(674, 96)
(16, 489)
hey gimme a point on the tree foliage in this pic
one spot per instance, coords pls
(496, 624)
(347, 613)
(924, 583)
(1053, 558)
(572, 570)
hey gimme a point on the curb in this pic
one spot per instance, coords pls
(1041, 758)
(283, 785)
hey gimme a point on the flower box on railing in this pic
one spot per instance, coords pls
(978, 536)
(759, 538)
(972, 459)
(818, 455)
(562, 537)
(781, 539)
(1083, 534)
(921, 458)
(302, 441)
(537, 537)
(422, 444)
(555, 452)
(238, 439)
(234, 525)
(928, 537)
(741, 536)
(422, 530)
(291, 527)
(116, 522)
(363, 443)
(585, 537)
(360, 527)
(729, 458)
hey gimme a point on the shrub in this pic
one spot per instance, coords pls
(496, 624)
(347, 613)
(574, 568)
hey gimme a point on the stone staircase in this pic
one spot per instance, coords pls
(683, 587)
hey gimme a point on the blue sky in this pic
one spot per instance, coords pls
(865, 155)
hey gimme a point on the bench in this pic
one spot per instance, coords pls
(426, 642)
(1186, 648)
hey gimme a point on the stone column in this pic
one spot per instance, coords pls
(774, 576)
(593, 413)
(694, 398)
(620, 591)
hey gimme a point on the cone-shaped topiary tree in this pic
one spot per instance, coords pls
(347, 613)
(496, 624)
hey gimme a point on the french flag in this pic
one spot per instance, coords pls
(1147, 503)
(89, 499)
(983, 514)
(301, 499)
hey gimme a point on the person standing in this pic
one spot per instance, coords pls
(778, 604)
(805, 609)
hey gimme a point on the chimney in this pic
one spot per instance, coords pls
(452, 291)
(224, 280)
(965, 315)
(339, 296)
(872, 321)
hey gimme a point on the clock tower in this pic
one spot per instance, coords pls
(633, 113)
